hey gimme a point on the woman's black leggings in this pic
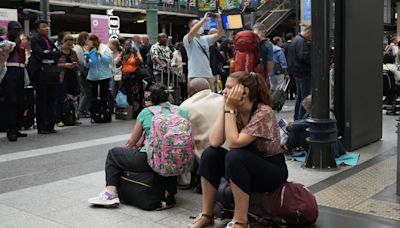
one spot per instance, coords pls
(249, 171)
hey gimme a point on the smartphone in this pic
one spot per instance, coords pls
(282, 124)
(212, 15)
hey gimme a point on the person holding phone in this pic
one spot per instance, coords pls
(255, 162)
(197, 48)
(98, 60)
(69, 74)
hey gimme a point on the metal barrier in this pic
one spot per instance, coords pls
(398, 159)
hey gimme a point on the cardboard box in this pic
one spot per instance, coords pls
(124, 113)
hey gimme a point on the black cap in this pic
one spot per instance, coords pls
(13, 25)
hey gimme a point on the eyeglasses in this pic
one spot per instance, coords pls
(70, 39)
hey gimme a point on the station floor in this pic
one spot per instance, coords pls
(45, 181)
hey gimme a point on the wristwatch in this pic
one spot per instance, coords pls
(230, 111)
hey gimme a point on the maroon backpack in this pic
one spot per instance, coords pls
(294, 204)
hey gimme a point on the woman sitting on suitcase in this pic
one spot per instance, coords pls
(134, 157)
(254, 162)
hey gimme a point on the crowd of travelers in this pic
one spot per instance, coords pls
(225, 127)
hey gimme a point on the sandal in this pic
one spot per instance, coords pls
(232, 224)
(210, 223)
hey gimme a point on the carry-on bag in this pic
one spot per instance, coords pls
(279, 96)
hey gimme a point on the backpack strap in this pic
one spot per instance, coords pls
(173, 109)
(155, 110)
(158, 110)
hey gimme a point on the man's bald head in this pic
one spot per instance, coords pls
(196, 85)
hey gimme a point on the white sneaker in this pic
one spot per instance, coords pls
(105, 199)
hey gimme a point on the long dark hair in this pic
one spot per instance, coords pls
(258, 88)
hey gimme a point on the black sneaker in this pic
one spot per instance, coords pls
(52, 131)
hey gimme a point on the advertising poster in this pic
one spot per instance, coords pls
(206, 5)
(230, 4)
(99, 27)
(307, 10)
(7, 15)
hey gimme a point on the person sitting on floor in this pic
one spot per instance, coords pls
(132, 158)
(254, 162)
(201, 105)
(297, 131)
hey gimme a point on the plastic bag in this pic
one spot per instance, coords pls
(121, 100)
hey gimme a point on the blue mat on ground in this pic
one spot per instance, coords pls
(350, 159)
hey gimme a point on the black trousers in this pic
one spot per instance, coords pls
(45, 106)
(120, 159)
(13, 84)
(104, 86)
(94, 90)
(249, 171)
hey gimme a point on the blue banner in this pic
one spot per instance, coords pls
(307, 10)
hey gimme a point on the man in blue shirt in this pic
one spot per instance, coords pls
(299, 61)
(197, 48)
(266, 48)
(280, 71)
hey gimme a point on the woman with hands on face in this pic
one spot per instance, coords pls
(254, 162)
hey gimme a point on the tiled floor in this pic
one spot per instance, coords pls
(348, 197)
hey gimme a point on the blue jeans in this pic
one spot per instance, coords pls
(303, 89)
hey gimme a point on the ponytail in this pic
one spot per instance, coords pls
(263, 93)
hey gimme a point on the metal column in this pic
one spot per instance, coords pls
(322, 129)
(44, 7)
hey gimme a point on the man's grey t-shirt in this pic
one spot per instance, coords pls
(198, 61)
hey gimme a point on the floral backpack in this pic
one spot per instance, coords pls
(170, 145)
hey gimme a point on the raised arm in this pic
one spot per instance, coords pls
(221, 31)
(193, 31)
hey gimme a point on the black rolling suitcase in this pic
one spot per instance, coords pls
(172, 85)
(100, 110)
(28, 115)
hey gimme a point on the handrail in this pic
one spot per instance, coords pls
(281, 6)
(134, 4)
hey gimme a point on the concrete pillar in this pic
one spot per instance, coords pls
(170, 29)
(164, 28)
(152, 20)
